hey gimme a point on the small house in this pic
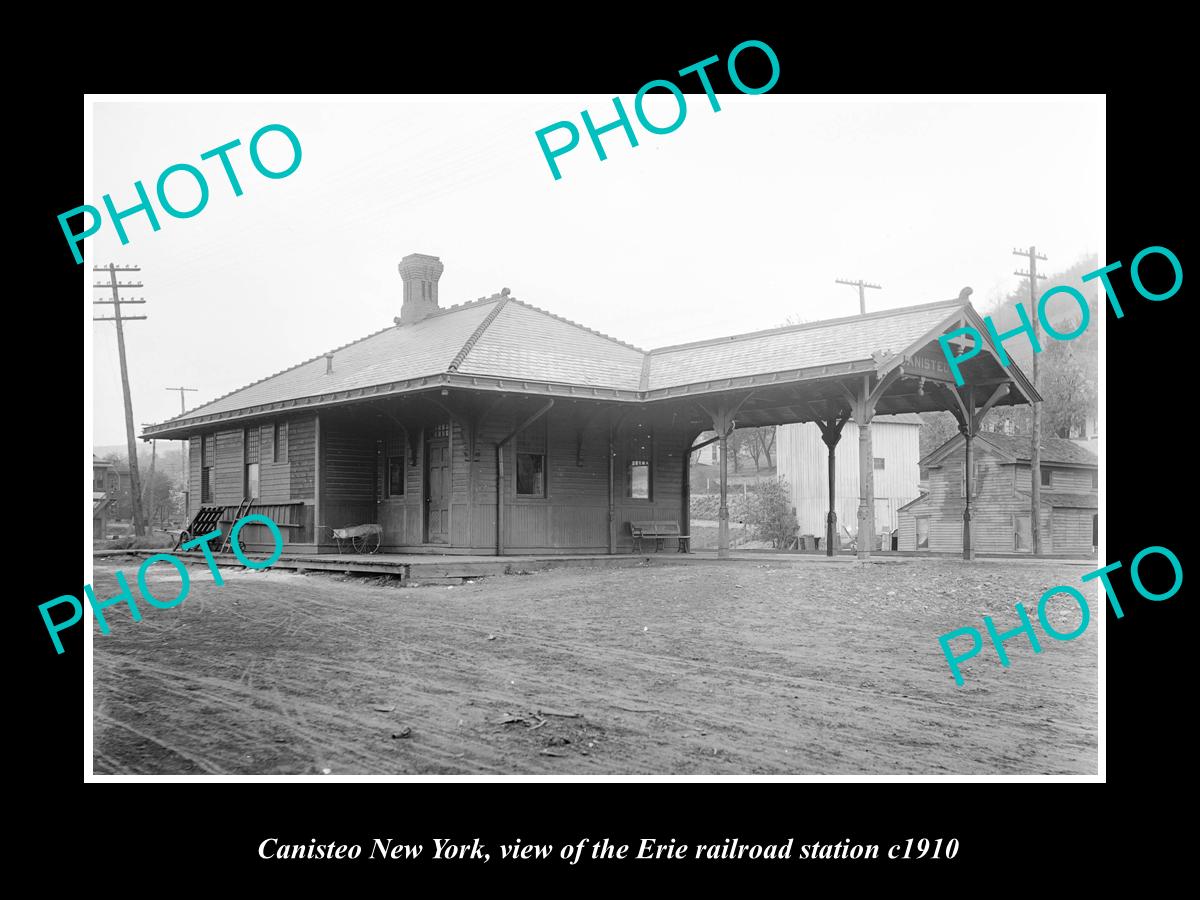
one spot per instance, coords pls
(1001, 502)
(106, 484)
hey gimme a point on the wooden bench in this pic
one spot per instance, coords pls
(660, 532)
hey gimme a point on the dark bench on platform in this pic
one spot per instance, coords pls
(660, 532)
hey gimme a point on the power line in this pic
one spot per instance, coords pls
(1035, 457)
(181, 390)
(862, 294)
(135, 480)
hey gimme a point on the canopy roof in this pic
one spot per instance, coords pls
(499, 343)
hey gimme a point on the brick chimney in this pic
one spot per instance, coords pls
(420, 273)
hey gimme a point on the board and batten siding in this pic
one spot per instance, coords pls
(400, 516)
(194, 486)
(283, 487)
(275, 478)
(571, 517)
(994, 506)
(348, 457)
(802, 458)
(907, 539)
(1072, 530)
(1065, 480)
(228, 471)
(302, 457)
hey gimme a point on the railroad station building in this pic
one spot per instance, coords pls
(496, 427)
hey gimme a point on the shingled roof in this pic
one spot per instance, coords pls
(1054, 449)
(796, 347)
(1018, 448)
(508, 343)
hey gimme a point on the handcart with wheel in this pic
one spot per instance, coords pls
(363, 538)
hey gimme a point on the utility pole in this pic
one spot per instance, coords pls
(181, 390)
(1035, 457)
(183, 445)
(135, 481)
(862, 294)
(150, 486)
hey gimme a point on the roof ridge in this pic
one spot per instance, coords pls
(251, 384)
(466, 304)
(502, 300)
(804, 326)
(607, 337)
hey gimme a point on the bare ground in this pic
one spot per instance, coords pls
(708, 668)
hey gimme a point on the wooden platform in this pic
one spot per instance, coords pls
(418, 569)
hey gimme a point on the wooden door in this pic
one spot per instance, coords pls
(437, 490)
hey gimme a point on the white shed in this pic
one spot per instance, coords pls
(803, 460)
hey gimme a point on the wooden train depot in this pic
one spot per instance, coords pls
(495, 427)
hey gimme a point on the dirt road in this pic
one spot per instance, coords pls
(711, 668)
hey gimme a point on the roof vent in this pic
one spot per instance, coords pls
(328, 363)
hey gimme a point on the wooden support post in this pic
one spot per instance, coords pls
(968, 550)
(612, 499)
(499, 499)
(969, 426)
(831, 516)
(831, 433)
(866, 490)
(685, 512)
(862, 410)
(723, 424)
(723, 514)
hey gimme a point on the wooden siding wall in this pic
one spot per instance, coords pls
(194, 498)
(666, 497)
(347, 476)
(572, 516)
(401, 516)
(294, 521)
(228, 472)
(574, 513)
(346, 483)
(1072, 530)
(286, 489)
(275, 479)
(993, 506)
(302, 457)
(908, 527)
(803, 460)
(1069, 481)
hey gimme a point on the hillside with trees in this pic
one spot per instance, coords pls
(1069, 370)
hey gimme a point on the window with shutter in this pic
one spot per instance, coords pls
(531, 460)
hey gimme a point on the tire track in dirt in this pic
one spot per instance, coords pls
(724, 666)
(679, 667)
(202, 763)
(328, 723)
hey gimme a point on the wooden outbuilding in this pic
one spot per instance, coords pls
(1000, 495)
(497, 427)
(895, 450)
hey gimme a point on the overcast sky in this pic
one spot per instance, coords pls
(732, 223)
